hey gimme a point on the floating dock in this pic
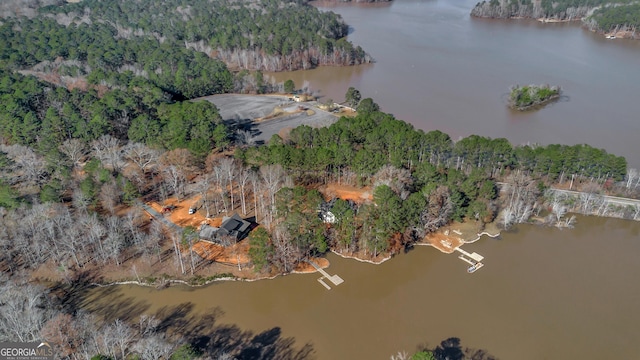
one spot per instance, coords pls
(473, 259)
(334, 279)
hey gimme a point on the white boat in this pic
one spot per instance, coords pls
(611, 36)
(474, 267)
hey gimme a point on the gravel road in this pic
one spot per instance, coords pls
(242, 110)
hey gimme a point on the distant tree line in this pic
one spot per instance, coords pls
(553, 9)
(94, 51)
(269, 35)
(611, 18)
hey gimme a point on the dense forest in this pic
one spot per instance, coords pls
(182, 54)
(598, 15)
(616, 19)
(98, 41)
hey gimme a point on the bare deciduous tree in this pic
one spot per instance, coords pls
(27, 165)
(286, 252)
(154, 240)
(22, 314)
(401, 355)
(521, 192)
(202, 187)
(399, 180)
(256, 186)
(123, 336)
(439, 209)
(636, 212)
(114, 240)
(62, 332)
(153, 348)
(243, 181)
(107, 149)
(229, 170)
(177, 252)
(180, 158)
(590, 200)
(274, 178)
(245, 137)
(110, 196)
(141, 155)
(175, 180)
(75, 150)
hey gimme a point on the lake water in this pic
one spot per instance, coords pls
(543, 293)
(437, 68)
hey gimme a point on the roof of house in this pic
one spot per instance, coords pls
(234, 225)
(231, 226)
(208, 232)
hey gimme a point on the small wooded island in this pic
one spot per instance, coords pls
(530, 96)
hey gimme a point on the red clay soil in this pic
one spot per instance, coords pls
(180, 216)
(305, 267)
(240, 252)
(346, 192)
(445, 243)
(449, 237)
(233, 254)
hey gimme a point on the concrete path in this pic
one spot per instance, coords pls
(158, 216)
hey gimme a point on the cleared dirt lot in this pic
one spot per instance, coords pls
(246, 111)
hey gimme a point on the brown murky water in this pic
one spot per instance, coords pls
(437, 68)
(543, 294)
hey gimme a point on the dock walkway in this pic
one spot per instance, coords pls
(335, 279)
(473, 259)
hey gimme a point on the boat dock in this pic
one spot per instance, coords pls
(473, 259)
(334, 279)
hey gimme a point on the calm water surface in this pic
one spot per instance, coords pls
(543, 294)
(437, 68)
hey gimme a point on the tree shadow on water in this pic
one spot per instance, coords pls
(207, 335)
(451, 349)
(113, 305)
(270, 344)
(72, 293)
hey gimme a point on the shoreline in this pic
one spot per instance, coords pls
(353, 257)
(536, 105)
(168, 282)
(460, 239)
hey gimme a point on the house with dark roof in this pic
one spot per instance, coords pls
(232, 229)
